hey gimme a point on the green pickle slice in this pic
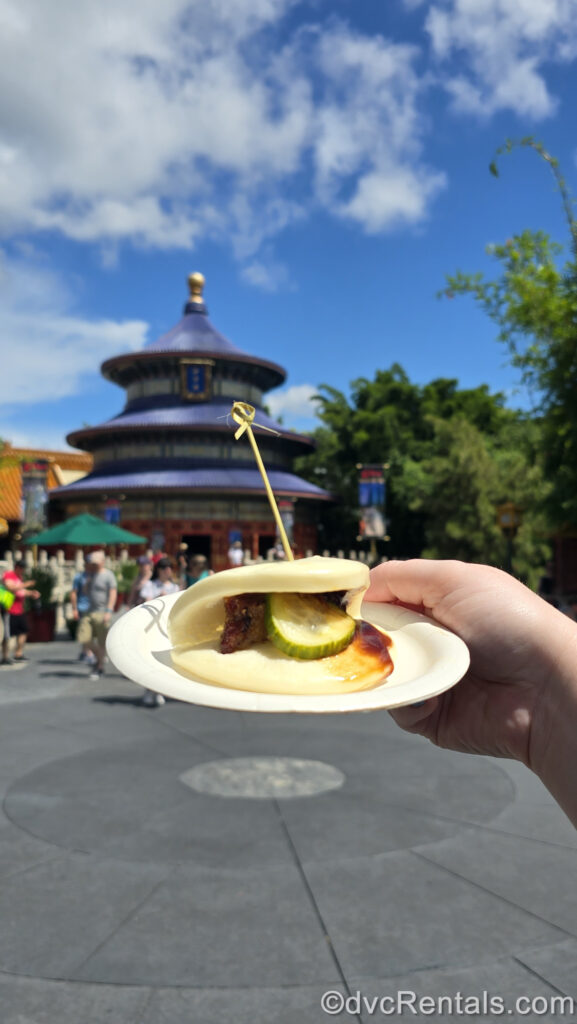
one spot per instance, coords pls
(306, 626)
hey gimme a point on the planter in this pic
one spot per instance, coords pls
(41, 625)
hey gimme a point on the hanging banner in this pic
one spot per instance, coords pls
(371, 486)
(372, 496)
(372, 523)
(34, 495)
(112, 511)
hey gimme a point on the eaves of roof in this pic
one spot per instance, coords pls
(216, 481)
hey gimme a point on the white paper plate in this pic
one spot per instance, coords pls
(427, 658)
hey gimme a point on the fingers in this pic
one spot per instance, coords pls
(415, 717)
(427, 581)
(419, 583)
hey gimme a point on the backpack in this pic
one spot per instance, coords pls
(7, 598)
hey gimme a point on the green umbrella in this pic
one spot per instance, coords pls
(85, 531)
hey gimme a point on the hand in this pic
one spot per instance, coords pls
(522, 658)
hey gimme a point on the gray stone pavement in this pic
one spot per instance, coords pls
(186, 866)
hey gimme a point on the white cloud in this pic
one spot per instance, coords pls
(295, 405)
(47, 348)
(386, 197)
(162, 125)
(268, 274)
(188, 120)
(493, 52)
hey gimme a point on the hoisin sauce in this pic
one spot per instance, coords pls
(375, 643)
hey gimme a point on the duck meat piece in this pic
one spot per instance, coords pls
(244, 623)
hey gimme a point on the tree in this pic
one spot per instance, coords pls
(533, 301)
(467, 475)
(453, 455)
(455, 487)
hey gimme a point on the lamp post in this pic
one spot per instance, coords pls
(509, 521)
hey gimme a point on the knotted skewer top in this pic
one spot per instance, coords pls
(243, 414)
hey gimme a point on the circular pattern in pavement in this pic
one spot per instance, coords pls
(263, 778)
(341, 793)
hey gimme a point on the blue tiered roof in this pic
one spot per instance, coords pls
(194, 333)
(168, 412)
(158, 414)
(214, 480)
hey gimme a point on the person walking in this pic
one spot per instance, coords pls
(101, 590)
(143, 576)
(80, 603)
(161, 585)
(182, 562)
(14, 618)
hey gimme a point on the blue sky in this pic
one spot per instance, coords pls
(324, 164)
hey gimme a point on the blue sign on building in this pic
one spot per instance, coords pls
(196, 378)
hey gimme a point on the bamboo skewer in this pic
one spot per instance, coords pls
(243, 414)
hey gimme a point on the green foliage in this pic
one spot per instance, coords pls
(533, 302)
(530, 142)
(467, 476)
(452, 455)
(455, 488)
(126, 573)
(44, 582)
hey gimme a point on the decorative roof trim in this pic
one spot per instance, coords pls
(194, 480)
(153, 355)
(215, 491)
(203, 428)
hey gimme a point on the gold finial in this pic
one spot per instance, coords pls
(196, 285)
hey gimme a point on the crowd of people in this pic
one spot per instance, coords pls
(157, 578)
(93, 599)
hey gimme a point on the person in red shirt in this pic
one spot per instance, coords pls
(15, 620)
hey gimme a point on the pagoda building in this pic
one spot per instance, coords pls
(168, 466)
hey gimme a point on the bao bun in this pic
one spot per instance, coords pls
(197, 618)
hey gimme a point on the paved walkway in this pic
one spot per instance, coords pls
(186, 866)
